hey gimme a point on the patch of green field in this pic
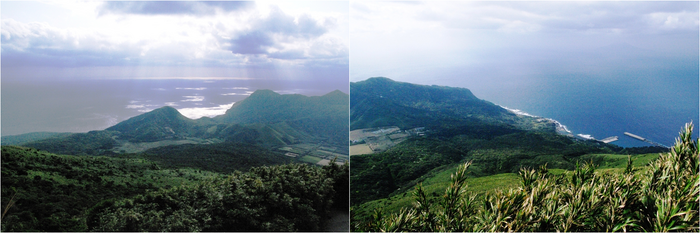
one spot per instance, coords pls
(619, 161)
(310, 159)
(435, 186)
(129, 147)
(304, 146)
(332, 154)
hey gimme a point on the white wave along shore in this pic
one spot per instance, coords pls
(559, 126)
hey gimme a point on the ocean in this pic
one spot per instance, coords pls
(654, 104)
(84, 105)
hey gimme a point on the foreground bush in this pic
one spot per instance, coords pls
(663, 198)
(292, 197)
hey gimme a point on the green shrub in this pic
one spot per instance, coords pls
(292, 197)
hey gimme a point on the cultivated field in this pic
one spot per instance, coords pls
(360, 149)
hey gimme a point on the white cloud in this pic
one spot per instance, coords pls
(193, 98)
(191, 88)
(140, 107)
(173, 34)
(235, 94)
(196, 113)
(674, 20)
(136, 106)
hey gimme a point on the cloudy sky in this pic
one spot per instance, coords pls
(252, 40)
(575, 61)
(402, 40)
(104, 62)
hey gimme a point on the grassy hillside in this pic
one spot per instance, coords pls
(647, 192)
(439, 180)
(410, 162)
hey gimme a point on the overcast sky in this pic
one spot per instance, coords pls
(402, 39)
(231, 40)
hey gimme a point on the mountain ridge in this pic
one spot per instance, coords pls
(421, 105)
(265, 118)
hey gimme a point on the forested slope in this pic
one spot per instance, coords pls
(47, 192)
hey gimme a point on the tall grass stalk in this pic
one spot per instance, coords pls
(664, 198)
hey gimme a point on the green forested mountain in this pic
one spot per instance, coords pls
(265, 118)
(266, 106)
(383, 102)
(159, 124)
(319, 116)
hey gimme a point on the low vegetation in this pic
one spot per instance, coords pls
(47, 192)
(664, 196)
(225, 157)
(293, 197)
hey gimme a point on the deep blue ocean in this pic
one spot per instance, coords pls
(652, 103)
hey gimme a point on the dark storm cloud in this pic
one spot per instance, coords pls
(171, 7)
(255, 42)
(267, 34)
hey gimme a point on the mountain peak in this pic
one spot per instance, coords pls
(167, 109)
(264, 92)
(380, 80)
(163, 122)
(335, 93)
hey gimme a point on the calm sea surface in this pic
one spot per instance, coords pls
(84, 105)
(652, 104)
